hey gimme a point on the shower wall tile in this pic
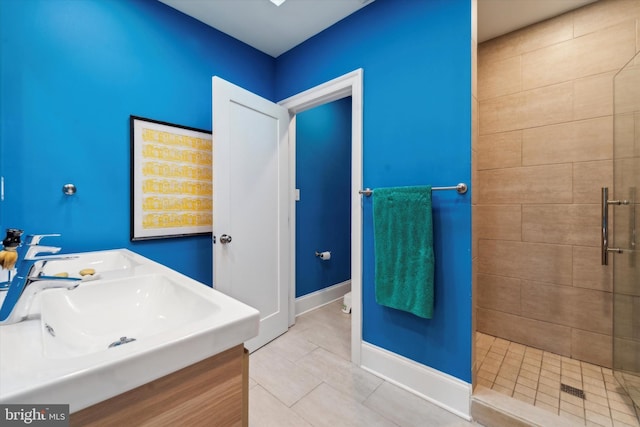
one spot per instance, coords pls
(549, 65)
(499, 48)
(533, 184)
(565, 305)
(575, 141)
(626, 351)
(499, 78)
(499, 293)
(605, 50)
(547, 149)
(529, 261)
(588, 272)
(624, 134)
(546, 105)
(589, 178)
(535, 333)
(627, 325)
(593, 96)
(546, 33)
(591, 347)
(563, 224)
(599, 15)
(626, 271)
(500, 114)
(499, 222)
(500, 150)
(627, 90)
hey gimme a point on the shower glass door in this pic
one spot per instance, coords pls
(626, 265)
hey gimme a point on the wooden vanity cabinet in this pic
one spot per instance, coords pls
(212, 392)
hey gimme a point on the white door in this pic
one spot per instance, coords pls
(251, 255)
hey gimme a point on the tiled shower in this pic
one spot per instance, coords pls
(544, 149)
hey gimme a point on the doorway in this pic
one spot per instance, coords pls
(348, 85)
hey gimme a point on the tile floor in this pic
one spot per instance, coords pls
(535, 376)
(305, 378)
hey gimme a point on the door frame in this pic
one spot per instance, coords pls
(349, 84)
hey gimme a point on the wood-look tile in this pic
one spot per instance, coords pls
(576, 141)
(408, 410)
(593, 96)
(626, 89)
(500, 150)
(625, 318)
(532, 184)
(501, 114)
(327, 407)
(548, 65)
(281, 377)
(499, 222)
(499, 48)
(599, 15)
(556, 338)
(499, 293)
(498, 78)
(561, 224)
(605, 50)
(546, 105)
(529, 261)
(588, 272)
(340, 373)
(546, 33)
(589, 178)
(565, 305)
(626, 143)
(265, 410)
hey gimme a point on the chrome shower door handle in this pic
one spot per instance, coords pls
(604, 238)
(604, 241)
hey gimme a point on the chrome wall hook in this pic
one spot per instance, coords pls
(69, 189)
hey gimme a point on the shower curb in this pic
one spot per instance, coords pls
(492, 409)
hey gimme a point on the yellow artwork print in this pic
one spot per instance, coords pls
(176, 184)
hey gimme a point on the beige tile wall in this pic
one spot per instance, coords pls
(544, 150)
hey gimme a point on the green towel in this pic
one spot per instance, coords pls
(403, 238)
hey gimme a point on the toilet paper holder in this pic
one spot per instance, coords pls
(323, 255)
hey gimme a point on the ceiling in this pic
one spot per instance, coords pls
(276, 29)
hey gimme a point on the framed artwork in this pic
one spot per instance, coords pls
(171, 180)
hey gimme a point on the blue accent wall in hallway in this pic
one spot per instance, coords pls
(416, 57)
(323, 214)
(71, 73)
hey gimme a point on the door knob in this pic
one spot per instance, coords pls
(224, 239)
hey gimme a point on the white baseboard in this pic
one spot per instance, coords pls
(322, 297)
(439, 388)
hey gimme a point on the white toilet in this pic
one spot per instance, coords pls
(346, 304)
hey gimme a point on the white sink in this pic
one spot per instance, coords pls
(174, 320)
(101, 314)
(100, 261)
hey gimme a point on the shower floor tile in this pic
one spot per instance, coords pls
(584, 393)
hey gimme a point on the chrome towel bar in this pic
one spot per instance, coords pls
(460, 188)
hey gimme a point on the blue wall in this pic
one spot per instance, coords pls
(417, 130)
(323, 214)
(71, 73)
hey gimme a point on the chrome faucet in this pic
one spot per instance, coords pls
(30, 280)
